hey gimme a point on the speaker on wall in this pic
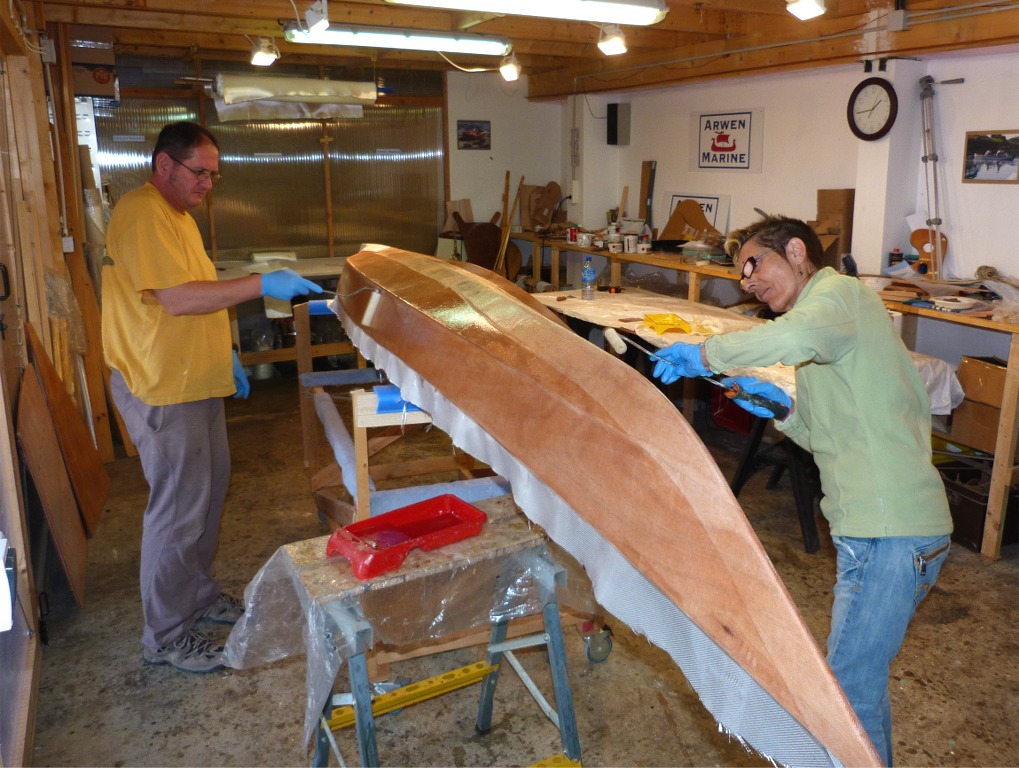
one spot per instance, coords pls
(619, 124)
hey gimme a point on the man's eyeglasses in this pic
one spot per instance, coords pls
(750, 265)
(201, 175)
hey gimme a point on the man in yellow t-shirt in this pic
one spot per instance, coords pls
(166, 338)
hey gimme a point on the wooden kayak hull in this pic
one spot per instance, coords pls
(621, 458)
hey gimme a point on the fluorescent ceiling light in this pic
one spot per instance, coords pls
(634, 12)
(612, 41)
(405, 39)
(317, 16)
(510, 68)
(264, 52)
(805, 9)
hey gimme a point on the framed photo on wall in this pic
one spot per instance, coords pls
(991, 157)
(473, 134)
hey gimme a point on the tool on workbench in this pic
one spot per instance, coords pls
(732, 390)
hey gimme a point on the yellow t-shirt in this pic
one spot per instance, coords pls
(164, 359)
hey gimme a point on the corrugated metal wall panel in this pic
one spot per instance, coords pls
(126, 134)
(272, 196)
(386, 176)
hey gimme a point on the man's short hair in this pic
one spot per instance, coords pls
(179, 139)
(776, 232)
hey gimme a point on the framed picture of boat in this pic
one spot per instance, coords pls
(473, 134)
(991, 157)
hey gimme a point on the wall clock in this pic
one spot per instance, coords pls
(872, 108)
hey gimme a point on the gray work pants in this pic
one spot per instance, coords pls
(186, 461)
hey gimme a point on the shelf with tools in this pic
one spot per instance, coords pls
(1003, 472)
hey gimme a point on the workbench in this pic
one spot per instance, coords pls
(625, 311)
(675, 261)
(322, 268)
(1003, 471)
(302, 601)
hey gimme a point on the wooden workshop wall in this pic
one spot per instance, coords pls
(25, 254)
(46, 289)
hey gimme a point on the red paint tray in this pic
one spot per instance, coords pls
(380, 544)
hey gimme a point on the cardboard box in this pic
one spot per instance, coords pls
(976, 425)
(982, 379)
(93, 64)
(95, 80)
(834, 224)
(967, 489)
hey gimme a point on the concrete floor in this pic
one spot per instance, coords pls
(955, 686)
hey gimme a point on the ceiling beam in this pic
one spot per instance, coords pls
(761, 53)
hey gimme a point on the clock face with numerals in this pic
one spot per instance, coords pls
(872, 108)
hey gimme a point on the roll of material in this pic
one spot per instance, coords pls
(614, 341)
(234, 89)
(896, 321)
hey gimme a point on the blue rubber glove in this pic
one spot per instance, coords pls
(285, 284)
(240, 379)
(679, 361)
(766, 389)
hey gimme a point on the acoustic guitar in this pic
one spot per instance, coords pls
(925, 241)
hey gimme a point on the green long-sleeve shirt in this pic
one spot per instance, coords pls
(861, 407)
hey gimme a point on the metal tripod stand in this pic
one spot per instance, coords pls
(933, 247)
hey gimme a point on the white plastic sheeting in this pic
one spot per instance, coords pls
(234, 89)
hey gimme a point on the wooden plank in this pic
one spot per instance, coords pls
(528, 625)
(31, 267)
(361, 461)
(425, 466)
(309, 421)
(20, 655)
(85, 468)
(41, 450)
(70, 158)
(330, 474)
(1004, 449)
(125, 437)
(290, 353)
(93, 357)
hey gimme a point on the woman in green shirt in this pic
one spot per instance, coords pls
(862, 410)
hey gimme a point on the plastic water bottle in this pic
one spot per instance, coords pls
(587, 280)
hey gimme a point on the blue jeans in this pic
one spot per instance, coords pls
(880, 583)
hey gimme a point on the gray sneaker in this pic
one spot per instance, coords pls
(226, 610)
(191, 652)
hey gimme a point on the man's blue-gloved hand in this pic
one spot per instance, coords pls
(240, 379)
(285, 284)
(678, 361)
(765, 389)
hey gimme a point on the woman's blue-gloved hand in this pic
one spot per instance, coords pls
(765, 389)
(678, 361)
(240, 379)
(285, 284)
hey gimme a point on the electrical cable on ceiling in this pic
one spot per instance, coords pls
(465, 69)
